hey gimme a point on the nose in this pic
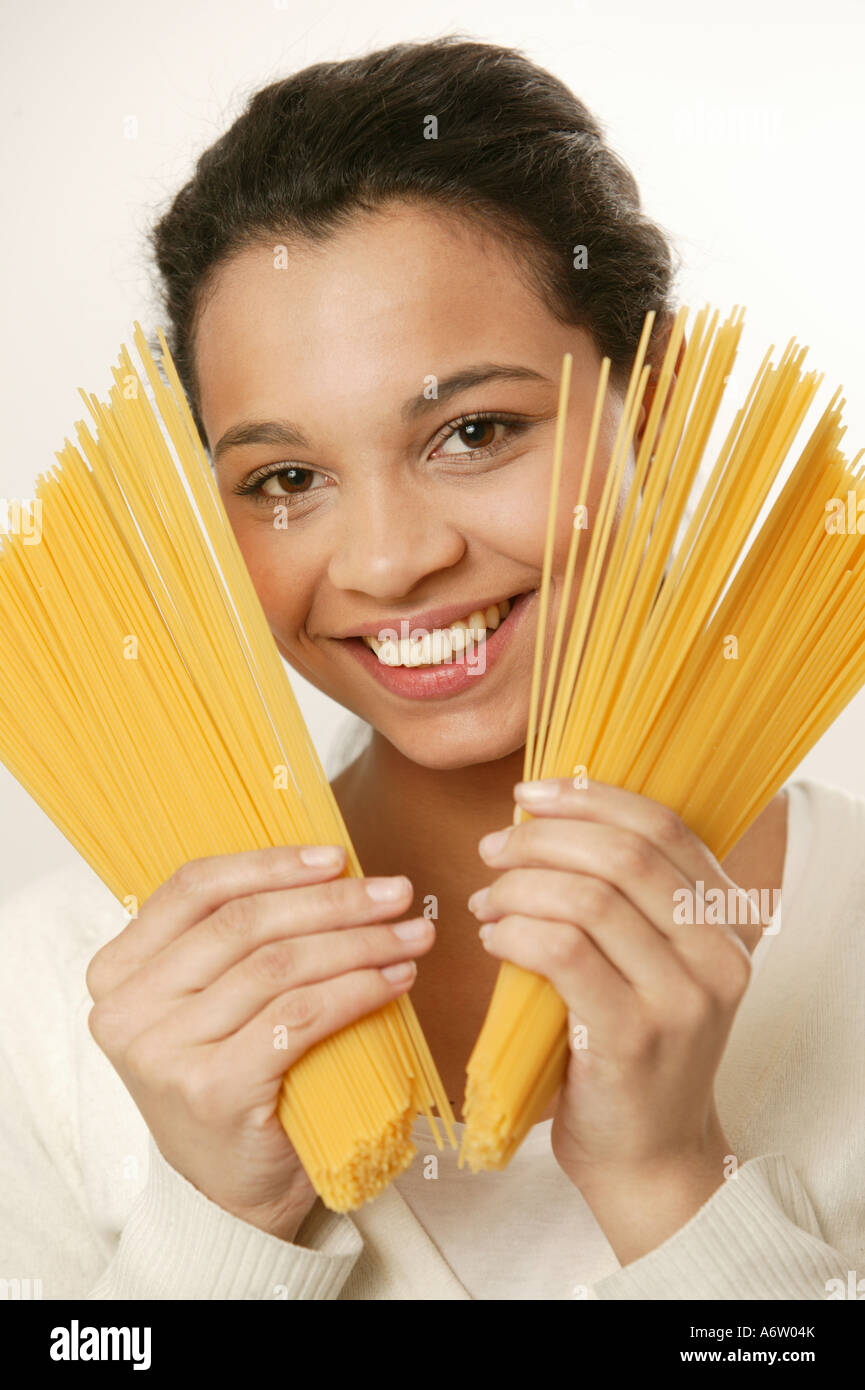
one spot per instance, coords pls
(390, 536)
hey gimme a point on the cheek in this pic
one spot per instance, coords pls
(515, 523)
(571, 489)
(509, 517)
(284, 569)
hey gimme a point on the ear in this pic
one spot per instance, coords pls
(659, 348)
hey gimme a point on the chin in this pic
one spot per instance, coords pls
(450, 748)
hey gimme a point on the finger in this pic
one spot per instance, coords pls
(289, 1025)
(632, 945)
(621, 858)
(565, 955)
(243, 925)
(600, 802)
(641, 815)
(195, 889)
(709, 951)
(295, 963)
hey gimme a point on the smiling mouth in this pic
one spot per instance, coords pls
(442, 644)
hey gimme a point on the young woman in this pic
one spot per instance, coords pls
(370, 282)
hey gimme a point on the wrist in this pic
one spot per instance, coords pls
(282, 1220)
(640, 1205)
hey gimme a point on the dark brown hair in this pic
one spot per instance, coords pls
(514, 149)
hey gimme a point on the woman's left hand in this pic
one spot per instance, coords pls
(586, 899)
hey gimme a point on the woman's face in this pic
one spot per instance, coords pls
(338, 383)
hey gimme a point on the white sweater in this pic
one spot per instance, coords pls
(90, 1208)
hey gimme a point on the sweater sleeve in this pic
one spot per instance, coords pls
(756, 1237)
(61, 1225)
(177, 1244)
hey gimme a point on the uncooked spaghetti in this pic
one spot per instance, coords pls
(146, 709)
(701, 659)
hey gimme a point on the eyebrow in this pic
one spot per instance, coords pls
(285, 434)
(463, 381)
(281, 433)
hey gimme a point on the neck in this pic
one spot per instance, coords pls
(426, 823)
(428, 817)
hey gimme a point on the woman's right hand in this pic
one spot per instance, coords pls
(188, 995)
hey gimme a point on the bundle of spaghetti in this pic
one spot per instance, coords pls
(146, 709)
(714, 637)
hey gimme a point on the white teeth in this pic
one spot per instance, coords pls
(441, 644)
(477, 621)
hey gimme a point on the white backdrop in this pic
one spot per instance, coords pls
(743, 122)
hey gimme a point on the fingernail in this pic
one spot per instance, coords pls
(410, 931)
(538, 791)
(485, 932)
(321, 854)
(387, 890)
(478, 901)
(397, 973)
(493, 844)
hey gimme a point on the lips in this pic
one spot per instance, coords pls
(423, 648)
(426, 621)
(464, 671)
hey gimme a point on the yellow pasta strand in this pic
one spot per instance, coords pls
(146, 709)
(698, 671)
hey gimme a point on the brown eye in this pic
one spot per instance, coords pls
(472, 435)
(477, 434)
(286, 483)
(291, 480)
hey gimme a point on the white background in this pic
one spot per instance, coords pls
(744, 123)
